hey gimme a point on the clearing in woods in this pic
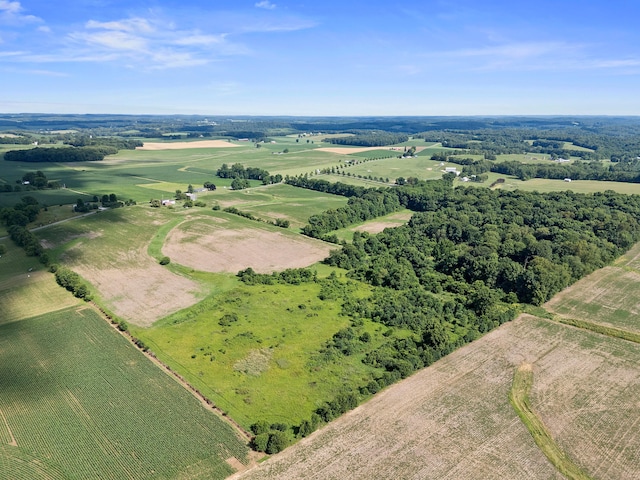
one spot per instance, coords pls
(453, 419)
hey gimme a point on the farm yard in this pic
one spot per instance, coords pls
(192, 283)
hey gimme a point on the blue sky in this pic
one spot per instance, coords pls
(303, 57)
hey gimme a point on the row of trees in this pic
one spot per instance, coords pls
(372, 139)
(372, 204)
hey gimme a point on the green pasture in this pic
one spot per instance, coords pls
(547, 185)
(26, 288)
(280, 201)
(265, 365)
(79, 401)
(421, 167)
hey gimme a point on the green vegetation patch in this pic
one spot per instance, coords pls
(519, 398)
(256, 351)
(85, 403)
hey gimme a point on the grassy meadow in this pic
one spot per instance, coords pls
(267, 363)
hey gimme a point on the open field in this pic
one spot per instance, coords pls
(271, 202)
(186, 145)
(26, 288)
(608, 296)
(453, 419)
(109, 250)
(544, 185)
(79, 401)
(218, 247)
(267, 363)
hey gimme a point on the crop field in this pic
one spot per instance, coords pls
(280, 201)
(265, 363)
(453, 419)
(79, 401)
(608, 296)
(421, 167)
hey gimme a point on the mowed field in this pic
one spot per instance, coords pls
(453, 419)
(609, 296)
(79, 401)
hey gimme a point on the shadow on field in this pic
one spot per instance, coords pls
(27, 362)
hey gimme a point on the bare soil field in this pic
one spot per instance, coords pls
(216, 248)
(185, 145)
(140, 291)
(453, 419)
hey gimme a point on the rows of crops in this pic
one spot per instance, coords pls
(84, 402)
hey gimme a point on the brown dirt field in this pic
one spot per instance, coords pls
(390, 221)
(348, 150)
(186, 145)
(143, 293)
(453, 419)
(214, 248)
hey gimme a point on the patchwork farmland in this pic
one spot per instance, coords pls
(79, 400)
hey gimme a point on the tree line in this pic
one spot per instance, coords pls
(66, 154)
(371, 139)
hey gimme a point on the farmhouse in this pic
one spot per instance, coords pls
(451, 170)
(168, 202)
(567, 179)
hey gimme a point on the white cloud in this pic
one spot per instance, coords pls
(131, 25)
(11, 13)
(266, 4)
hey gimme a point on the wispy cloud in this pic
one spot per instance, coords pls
(148, 41)
(266, 4)
(12, 13)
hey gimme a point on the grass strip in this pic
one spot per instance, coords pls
(601, 329)
(519, 398)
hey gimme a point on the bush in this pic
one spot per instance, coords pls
(165, 261)
(259, 443)
(278, 441)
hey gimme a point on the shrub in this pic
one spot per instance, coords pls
(165, 261)
(259, 443)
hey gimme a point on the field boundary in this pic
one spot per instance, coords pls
(599, 328)
(206, 402)
(519, 399)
